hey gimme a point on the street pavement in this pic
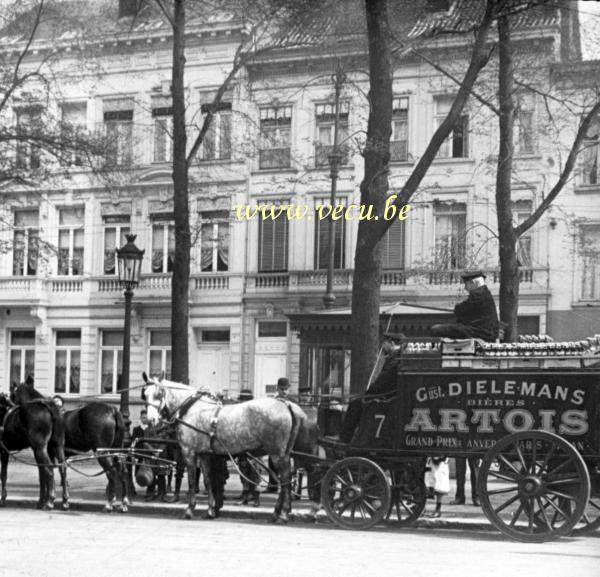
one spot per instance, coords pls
(73, 544)
(87, 493)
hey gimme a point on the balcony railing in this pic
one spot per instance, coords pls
(59, 290)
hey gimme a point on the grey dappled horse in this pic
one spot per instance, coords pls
(205, 427)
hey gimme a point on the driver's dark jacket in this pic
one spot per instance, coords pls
(478, 312)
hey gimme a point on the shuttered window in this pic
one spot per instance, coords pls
(273, 244)
(394, 246)
(322, 239)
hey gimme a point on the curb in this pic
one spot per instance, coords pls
(300, 514)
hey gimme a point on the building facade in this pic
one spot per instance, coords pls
(60, 300)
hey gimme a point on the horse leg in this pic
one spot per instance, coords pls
(109, 471)
(120, 468)
(284, 499)
(59, 458)
(205, 464)
(46, 476)
(190, 460)
(3, 470)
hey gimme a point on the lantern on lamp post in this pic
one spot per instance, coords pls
(129, 261)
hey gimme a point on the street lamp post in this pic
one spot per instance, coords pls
(129, 259)
(335, 158)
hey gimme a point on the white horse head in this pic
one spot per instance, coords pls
(160, 398)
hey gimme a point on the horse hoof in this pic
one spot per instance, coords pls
(188, 514)
(65, 506)
(124, 509)
(48, 507)
(281, 520)
(108, 508)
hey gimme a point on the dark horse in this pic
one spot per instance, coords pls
(205, 427)
(94, 426)
(36, 424)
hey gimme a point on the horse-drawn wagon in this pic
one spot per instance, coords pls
(531, 413)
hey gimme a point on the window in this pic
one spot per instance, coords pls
(29, 129)
(321, 257)
(329, 372)
(115, 229)
(22, 356)
(589, 253)
(217, 141)
(325, 122)
(111, 361)
(521, 212)
(272, 329)
(25, 243)
(74, 123)
(399, 140)
(70, 241)
(525, 124)
(159, 354)
(275, 137)
(214, 335)
(394, 246)
(163, 246)
(214, 249)
(456, 145)
(590, 155)
(162, 124)
(67, 362)
(118, 122)
(450, 232)
(273, 244)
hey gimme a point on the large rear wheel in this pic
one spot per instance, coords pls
(355, 493)
(539, 489)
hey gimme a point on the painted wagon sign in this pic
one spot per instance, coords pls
(453, 412)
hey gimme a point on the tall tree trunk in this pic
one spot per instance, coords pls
(507, 238)
(373, 189)
(181, 266)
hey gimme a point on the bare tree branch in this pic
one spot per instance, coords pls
(565, 174)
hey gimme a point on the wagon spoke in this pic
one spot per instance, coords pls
(530, 514)
(509, 464)
(521, 457)
(343, 482)
(562, 495)
(556, 508)
(353, 511)
(533, 459)
(547, 458)
(543, 511)
(502, 476)
(501, 491)
(368, 505)
(506, 504)
(561, 466)
(567, 481)
(516, 515)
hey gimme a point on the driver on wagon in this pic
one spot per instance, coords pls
(476, 317)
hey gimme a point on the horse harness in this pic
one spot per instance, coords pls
(181, 411)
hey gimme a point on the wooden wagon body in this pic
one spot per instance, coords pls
(533, 420)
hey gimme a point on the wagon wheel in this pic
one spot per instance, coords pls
(355, 493)
(540, 489)
(590, 520)
(409, 498)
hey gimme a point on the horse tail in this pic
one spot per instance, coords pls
(119, 428)
(298, 417)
